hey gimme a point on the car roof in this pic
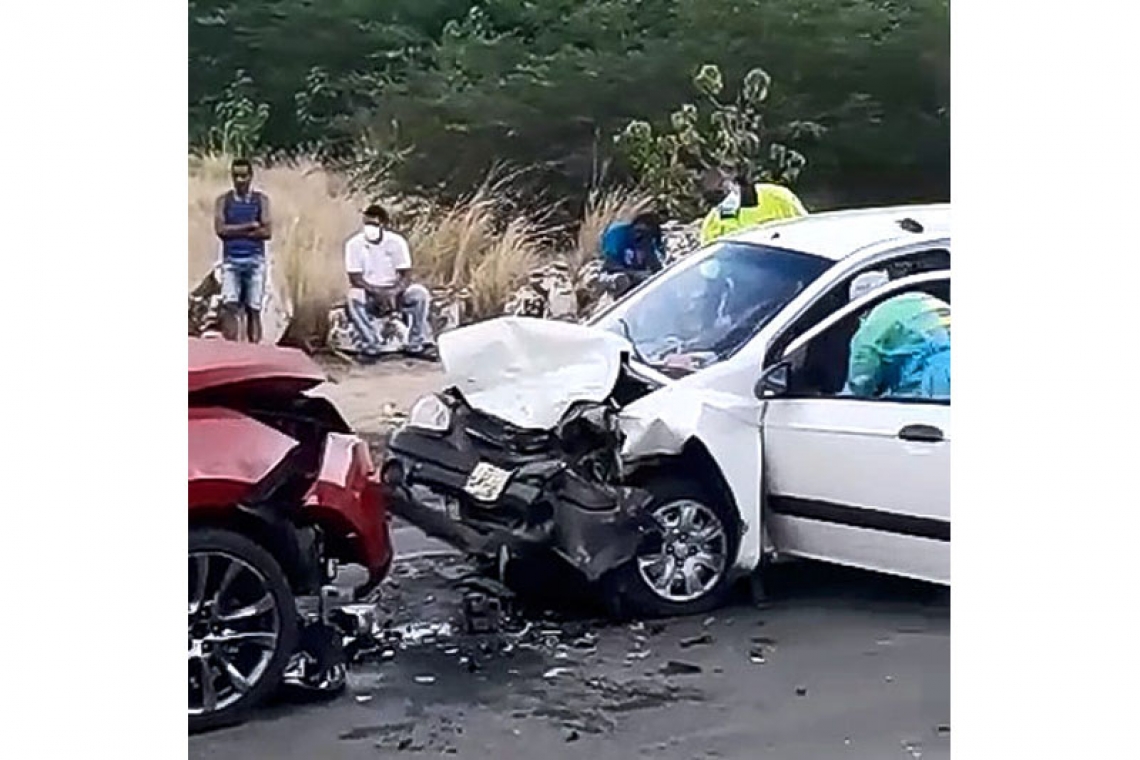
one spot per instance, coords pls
(837, 234)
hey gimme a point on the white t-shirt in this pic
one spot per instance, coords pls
(378, 262)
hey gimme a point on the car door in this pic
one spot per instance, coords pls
(859, 480)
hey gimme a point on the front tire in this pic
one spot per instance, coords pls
(242, 626)
(685, 569)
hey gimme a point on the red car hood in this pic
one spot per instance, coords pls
(217, 363)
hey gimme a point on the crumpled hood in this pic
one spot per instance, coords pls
(529, 372)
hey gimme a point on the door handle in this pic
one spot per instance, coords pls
(922, 434)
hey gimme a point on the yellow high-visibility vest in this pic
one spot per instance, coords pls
(775, 202)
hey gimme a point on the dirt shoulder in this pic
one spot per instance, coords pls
(372, 398)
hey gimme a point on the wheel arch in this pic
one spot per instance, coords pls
(278, 537)
(692, 462)
(739, 487)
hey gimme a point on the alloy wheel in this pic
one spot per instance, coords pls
(692, 555)
(234, 627)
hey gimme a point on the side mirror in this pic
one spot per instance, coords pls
(773, 381)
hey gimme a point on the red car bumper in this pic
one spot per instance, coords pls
(346, 501)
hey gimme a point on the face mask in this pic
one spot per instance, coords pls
(373, 233)
(731, 203)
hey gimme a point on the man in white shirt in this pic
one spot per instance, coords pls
(379, 266)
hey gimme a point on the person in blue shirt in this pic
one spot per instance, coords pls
(632, 251)
(243, 224)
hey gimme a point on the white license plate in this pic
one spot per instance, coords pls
(486, 482)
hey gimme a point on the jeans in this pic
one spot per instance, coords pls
(414, 303)
(243, 283)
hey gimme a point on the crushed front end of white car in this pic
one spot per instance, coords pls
(549, 437)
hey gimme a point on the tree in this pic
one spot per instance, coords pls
(455, 86)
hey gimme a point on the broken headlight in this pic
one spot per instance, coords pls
(430, 413)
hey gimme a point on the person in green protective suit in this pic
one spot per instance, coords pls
(902, 350)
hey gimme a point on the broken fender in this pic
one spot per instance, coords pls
(596, 542)
(229, 453)
(727, 425)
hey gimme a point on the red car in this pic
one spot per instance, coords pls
(281, 491)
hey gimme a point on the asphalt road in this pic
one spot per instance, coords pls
(837, 664)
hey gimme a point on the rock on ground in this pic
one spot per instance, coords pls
(206, 299)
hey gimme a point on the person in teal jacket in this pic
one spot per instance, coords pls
(902, 350)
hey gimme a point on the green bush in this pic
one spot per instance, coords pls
(452, 87)
(729, 135)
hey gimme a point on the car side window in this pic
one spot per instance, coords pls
(897, 349)
(839, 295)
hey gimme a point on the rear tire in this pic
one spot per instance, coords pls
(641, 588)
(242, 629)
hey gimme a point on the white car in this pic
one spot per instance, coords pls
(700, 425)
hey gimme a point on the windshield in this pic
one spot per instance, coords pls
(707, 307)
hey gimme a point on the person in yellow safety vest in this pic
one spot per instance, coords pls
(740, 205)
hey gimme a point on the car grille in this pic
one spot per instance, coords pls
(499, 434)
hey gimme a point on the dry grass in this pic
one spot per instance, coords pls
(468, 245)
(475, 244)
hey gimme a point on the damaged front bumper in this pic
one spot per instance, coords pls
(538, 499)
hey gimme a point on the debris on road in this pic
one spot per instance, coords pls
(678, 668)
(761, 645)
(417, 634)
(585, 642)
(471, 625)
(398, 731)
(694, 641)
(551, 676)
(488, 586)
(318, 666)
(452, 573)
(482, 613)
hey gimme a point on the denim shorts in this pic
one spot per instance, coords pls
(243, 283)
